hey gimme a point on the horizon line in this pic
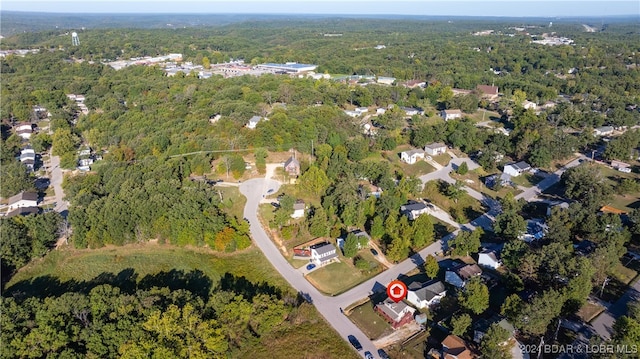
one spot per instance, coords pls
(319, 14)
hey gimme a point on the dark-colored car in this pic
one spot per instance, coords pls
(374, 252)
(368, 355)
(354, 341)
(382, 354)
(311, 266)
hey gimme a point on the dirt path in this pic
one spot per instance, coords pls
(399, 335)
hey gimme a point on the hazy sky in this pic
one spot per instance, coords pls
(518, 8)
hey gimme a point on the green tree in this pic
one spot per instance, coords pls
(510, 225)
(466, 242)
(423, 231)
(399, 248)
(15, 179)
(314, 181)
(512, 307)
(319, 223)
(431, 266)
(475, 296)
(535, 317)
(587, 185)
(455, 191)
(261, 160)
(351, 246)
(496, 343)
(463, 169)
(460, 324)
(377, 227)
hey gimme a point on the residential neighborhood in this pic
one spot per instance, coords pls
(311, 186)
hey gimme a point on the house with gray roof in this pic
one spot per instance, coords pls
(489, 259)
(459, 276)
(253, 122)
(323, 253)
(414, 209)
(516, 169)
(425, 295)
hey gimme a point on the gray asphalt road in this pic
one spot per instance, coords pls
(603, 324)
(56, 181)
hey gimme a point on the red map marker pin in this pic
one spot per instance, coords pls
(396, 290)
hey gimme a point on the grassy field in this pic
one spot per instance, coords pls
(589, 311)
(623, 274)
(232, 201)
(145, 260)
(526, 180)
(309, 336)
(370, 322)
(474, 179)
(464, 210)
(338, 277)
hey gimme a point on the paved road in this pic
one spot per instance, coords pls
(549, 181)
(603, 324)
(62, 206)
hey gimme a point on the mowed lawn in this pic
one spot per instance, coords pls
(146, 259)
(370, 322)
(337, 277)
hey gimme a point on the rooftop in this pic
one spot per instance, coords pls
(435, 145)
(23, 196)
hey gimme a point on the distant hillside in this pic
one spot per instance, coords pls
(14, 22)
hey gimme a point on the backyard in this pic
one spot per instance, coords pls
(462, 210)
(338, 277)
(370, 322)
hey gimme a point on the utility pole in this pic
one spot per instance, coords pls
(604, 283)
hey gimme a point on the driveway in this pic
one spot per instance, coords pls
(62, 206)
(603, 324)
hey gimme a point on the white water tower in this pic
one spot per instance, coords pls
(75, 41)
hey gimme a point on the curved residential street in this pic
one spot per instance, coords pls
(329, 307)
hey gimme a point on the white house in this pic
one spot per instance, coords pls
(489, 259)
(424, 295)
(561, 205)
(460, 275)
(526, 104)
(298, 209)
(27, 154)
(24, 130)
(516, 169)
(414, 210)
(253, 122)
(435, 149)
(410, 111)
(603, 131)
(23, 199)
(451, 114)
(323, 253)
(411, 156)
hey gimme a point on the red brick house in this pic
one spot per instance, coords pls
(397, 314)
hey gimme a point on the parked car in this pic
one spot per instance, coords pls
(368, 355)
(382, 354)
(311, 266)
(354, 341)
(374, 252)
(270, 190)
